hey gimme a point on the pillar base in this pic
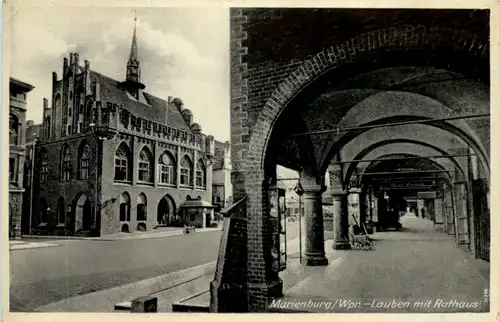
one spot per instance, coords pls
(316, 260)
(341, 245)
(261, 294)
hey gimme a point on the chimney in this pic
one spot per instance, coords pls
(45, 104)
(71, 60)
(76, 58)
(87, 65)
(65, 63)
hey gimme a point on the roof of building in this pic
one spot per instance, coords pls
(219, 144)
(20, 85)
(196, 203)
(33, 132)
(151, 108)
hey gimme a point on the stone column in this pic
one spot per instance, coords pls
(315, 241)
(339, 208)
(340, 221)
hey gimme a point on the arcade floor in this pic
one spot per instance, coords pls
(419, 269)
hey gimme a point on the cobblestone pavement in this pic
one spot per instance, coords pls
(45, 275)
(77, 267)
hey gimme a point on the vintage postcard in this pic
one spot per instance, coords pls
(262, 158)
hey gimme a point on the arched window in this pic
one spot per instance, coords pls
(66, 163)
(141, 207)
(44, 167)
(166, 169)
(13, 129)
(123, 163)
(124, 207)
(186, 166)
(200, 174)
(84, 159)
(145, 166)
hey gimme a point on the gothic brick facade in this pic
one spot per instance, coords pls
(112, 157)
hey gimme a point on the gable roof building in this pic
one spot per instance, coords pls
(111, 140)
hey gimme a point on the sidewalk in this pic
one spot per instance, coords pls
(156, 233)
(19, 245)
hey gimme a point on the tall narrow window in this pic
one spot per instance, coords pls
(145, 167)
(44, 167)
(123, 163)
(43, 211)
(66, 164)
(13, 129)
(186, 167)
(166, 169)
(141, 207)
(12, 170)
(84, 162)
(61, 211)
(47, 127)
(200, 174)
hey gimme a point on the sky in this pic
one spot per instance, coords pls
(184, 52)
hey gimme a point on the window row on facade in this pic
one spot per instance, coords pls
(166, 166)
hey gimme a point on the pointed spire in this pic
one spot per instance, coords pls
(133, 76)
(133, 49)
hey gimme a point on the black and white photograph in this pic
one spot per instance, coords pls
(249, 160)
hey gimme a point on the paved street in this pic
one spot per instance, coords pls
(76, 267)
(418, 264)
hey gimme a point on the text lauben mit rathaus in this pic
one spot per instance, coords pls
(381, 304)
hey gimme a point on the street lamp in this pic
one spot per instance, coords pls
(300, 191)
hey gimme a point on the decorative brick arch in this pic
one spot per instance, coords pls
(398, 38)
(368, 150)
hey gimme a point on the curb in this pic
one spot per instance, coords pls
(105, 300)
(177, 233)
(145, 236)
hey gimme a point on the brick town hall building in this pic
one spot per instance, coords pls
(140, 155)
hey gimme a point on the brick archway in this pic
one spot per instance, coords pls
(399, 38)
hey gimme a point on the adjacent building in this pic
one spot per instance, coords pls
(222, 190)
(17, 145)
(112, 157)
(32, 136)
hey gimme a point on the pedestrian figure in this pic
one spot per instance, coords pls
(422, 210)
